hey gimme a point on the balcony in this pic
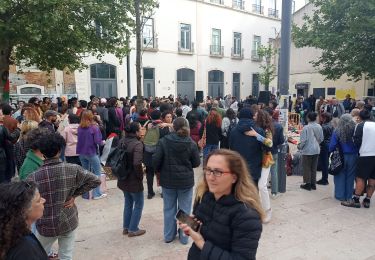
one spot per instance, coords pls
(237, 54)
(273, 13)
(185, 50)
(219, 2)
(238, 4)
(150, 44)
(258, 9)
(255, 56)
(216, 51)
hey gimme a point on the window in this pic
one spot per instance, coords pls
(237, 43)
(272, 10)
(185, 41)
(100, 31)
(331, 91)
(148, 32)
(256, 44)
(216, 41)
(220, 2)
(103, 71)
(148, 73)
(293, 6)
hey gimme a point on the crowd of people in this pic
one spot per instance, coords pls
(57, 150)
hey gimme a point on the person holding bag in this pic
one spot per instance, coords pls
(342, 136)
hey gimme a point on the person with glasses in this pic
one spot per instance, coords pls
(228, 207)
(20, 206)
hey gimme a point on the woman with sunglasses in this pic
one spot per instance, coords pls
(20, 206)
(228, 207)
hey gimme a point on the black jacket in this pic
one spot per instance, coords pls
(231, 230)
(134, 180)
(7, 164)
(249, 147)
(28, 248)
(175, 158)
(213, 133)
(113, 124)
(327, 133)
(278, 137)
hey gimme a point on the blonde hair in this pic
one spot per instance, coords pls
(28, 125)
(87, 118)
(244, 188)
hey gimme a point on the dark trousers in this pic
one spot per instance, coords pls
(73, 159)
(324, 160)
(309, 165)
(150, 172)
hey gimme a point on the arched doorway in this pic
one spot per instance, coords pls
(103, 80)
(216, 83)
(186, 83)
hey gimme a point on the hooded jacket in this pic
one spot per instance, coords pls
(70, 135)
(175, 158)
(248, 146)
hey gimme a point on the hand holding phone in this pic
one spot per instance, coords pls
(183, 217)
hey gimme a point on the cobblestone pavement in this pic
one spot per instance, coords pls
(305, 225)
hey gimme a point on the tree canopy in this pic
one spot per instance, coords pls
(345, 32)
(267, 73)
(59, 33)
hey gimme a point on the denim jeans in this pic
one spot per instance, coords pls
(92, 163)
(132, 210)
(65, 241)
(274, 175)
(344, 181)
(173, 200)
(324, 159)
(208, 148)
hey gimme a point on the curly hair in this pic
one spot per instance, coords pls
(345, 128)
(264, 120)
(15, 201)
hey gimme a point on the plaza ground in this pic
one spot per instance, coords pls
(305, 225)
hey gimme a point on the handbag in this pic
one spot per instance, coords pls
(202, 141)
(336, 161)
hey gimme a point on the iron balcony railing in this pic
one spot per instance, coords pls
(273, 13)
(258, 9)
(186, 49)
(150, 43)
(237, 53)
(217, 50)
(220, 2)
(255, 56)
(238, 4)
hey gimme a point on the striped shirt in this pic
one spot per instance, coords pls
(57, 183)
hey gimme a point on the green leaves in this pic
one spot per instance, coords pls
(345, 32)
(267, 74)
(58, 33)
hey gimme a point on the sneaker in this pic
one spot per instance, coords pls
(139, 232)
(322, 182)
(353, 203)
(306, 186)
(366, 203)
(268, 217)
(313, 186)
(104, 195)
(150, 196)
(125, 231)
(275, 195)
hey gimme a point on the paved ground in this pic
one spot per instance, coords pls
(305, 225)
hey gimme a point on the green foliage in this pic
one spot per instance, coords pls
(268, 70)
(59, 33)
(345, 32)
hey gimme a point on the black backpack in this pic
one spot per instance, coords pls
(117, 160)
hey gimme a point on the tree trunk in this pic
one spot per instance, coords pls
(138, 54)
(4, 67)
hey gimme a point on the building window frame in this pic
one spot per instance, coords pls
(185, 43)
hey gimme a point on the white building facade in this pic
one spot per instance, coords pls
(190, 46)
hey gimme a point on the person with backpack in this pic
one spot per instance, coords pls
(175, 157)
(132, 183)
(153, 133)
(229, 122)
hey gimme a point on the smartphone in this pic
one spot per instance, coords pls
(183, 217)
